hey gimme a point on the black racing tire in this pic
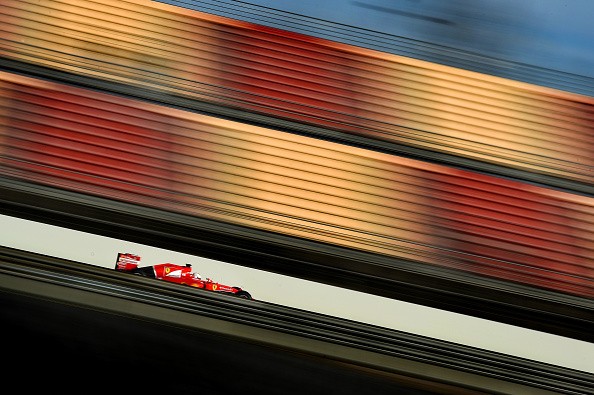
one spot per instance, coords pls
(147, 271)
(243, 295)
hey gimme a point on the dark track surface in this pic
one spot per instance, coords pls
(85, 349)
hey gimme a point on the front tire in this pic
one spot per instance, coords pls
(243, 295)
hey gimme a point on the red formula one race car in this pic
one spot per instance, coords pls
(176, 274)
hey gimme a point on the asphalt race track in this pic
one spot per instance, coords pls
(77, 350)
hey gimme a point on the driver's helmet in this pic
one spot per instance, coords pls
(197, 276)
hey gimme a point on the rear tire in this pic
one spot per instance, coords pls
(146, 271)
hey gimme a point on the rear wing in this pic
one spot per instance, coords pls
(127, 261)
